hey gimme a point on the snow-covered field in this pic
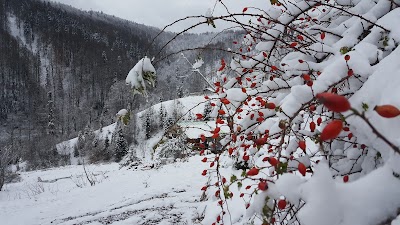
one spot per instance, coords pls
(166, 195)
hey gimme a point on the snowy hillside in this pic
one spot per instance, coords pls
(67, 147)
(192, 105)
(188, 107)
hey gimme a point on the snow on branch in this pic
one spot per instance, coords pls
(314, 115)
(143, 72)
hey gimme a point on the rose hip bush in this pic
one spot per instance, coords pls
(312, 107)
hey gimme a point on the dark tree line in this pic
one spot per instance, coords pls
(56, 72)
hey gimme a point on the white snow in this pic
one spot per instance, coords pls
(141, 73)
(193, 130)
(122, 112)
(168, 195)
(198, 64)
(193, 103)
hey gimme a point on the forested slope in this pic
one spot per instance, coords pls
(63, 69)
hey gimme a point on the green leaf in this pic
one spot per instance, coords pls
(126, 118)
(227, 193)
(266, 210)
(365, 106)
(282, 168)
(344, 50)
(385, 41)
(239, 184)
(210, 21)
(150, 77)
(233, 178)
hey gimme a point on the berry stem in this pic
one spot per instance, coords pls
(375, 131)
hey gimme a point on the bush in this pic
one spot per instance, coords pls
(295, 138)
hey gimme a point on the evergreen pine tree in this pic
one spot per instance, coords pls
(179, 91)
(121, 146)
(168, 123)
(207, 111)
(190, 117)
(177, 110)
(107, 154)
(51, 128)
(147, 125)
(162, 116)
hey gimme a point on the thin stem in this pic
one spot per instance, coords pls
(375, 131)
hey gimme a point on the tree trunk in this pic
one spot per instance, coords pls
(2, 177)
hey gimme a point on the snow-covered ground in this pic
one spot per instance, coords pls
(166, 195)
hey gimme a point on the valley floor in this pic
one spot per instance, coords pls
(167, 195)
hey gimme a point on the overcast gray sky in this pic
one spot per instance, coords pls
(159, 13)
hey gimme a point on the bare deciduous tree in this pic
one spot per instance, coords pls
(6, 157)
